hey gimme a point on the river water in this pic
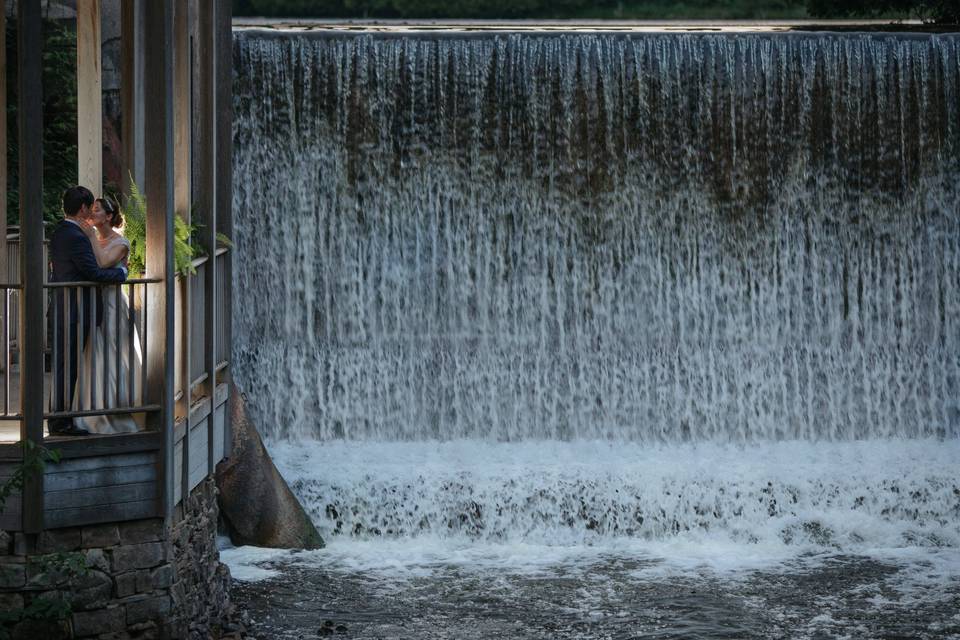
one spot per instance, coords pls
(604, 335)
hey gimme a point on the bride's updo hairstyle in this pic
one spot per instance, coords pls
(116, 218)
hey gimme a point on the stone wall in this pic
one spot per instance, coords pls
(144, 579)
(200, 591)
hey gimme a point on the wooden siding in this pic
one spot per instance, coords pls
(104, 488)
(10, 516)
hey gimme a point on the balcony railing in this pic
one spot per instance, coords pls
(97, 341)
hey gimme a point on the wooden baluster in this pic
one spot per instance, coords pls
(117, 344)
(78, 354)
(88, 345)
(131, 354)
(64, 400)
(143, 345)
(6, 352)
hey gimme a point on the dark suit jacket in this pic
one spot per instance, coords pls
(73, 260)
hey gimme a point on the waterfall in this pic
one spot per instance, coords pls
(646, 237)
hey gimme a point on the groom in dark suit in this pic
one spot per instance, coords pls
(73, 260)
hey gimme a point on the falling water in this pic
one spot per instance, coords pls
(662, 238)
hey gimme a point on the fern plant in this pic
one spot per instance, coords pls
(135, 229)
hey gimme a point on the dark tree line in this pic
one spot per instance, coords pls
(940, 11)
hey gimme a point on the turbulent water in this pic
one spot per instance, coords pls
(505, 298)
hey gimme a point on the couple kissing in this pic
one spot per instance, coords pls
(87, 246)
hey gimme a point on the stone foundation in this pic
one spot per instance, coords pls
(144, 579)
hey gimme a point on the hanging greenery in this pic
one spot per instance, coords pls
(135, 229)
(185, 246)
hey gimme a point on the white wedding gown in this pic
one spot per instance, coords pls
(98, 378)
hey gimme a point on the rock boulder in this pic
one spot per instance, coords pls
(255, 501)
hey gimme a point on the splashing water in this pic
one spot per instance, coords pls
(580, 290)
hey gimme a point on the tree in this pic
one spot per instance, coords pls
(937, 11)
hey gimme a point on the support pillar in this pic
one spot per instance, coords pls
(159, 193)
(89, 97)
(30, 114)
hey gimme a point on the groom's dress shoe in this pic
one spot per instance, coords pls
(70, 430)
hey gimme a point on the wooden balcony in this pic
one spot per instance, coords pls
(168, 335)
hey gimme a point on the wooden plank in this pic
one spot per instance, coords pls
(223, 198)
(222, 394)
(89, 97)
(11, 452)
(10, 520)
(100, 477)
(32, 326)
(178, 471)
(205, 189)
(128, 92)
(102, 462)
(93, 515)
(198, 465)
(200, 410)
(4, 276)
(107, 445)
(158, 179)
(218, 434)
(132, 492)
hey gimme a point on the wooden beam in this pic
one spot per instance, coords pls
(129, 84)
(204, 193)
(181, 196)
(181, 108)
(223, 197)
(158, 190)
(30, 114)
(3, 145)
(89, 97)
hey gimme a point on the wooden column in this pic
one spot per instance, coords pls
(158, 190)
(89, 97)
(204, 198)
(30, 114)
(223, 197)
(181, 194)
(4, 276)
(131, 93)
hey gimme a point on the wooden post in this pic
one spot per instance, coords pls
(204, 198)
(223, 197)
(4, 276)
(30, 113)
(181, 197)
(89, 97)
(130, 95)
(158, 190)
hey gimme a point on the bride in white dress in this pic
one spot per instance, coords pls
(98, 377)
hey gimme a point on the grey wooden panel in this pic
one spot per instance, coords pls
(100, 513)
(198, 450)
(109, 445)
(102, 462)
(10, 520)
(218, 434)
(133, 492)
(100, 477)
(177, 471)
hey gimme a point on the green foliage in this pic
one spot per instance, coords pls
(135, 230)
(543, 9)
(939, 11)
(59, 62)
